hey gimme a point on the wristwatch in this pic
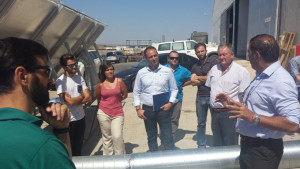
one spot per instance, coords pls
(256, 119)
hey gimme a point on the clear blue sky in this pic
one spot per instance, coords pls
(147, 19)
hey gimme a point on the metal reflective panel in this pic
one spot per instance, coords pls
(209, 158)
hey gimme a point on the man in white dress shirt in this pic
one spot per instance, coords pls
(230, 78)
(152, 80)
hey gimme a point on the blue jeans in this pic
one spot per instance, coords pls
(202, 105)
(164, 121)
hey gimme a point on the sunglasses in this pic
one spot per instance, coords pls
(172, 58)
(47, 68)
(72, 65)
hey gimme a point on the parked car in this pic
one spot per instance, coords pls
(97, 61)
(128, 75)
(116, 57)
(184, 46)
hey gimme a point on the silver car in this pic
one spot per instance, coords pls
(116, 57)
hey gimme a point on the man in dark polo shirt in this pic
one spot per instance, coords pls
(24, 76)
(198, 77)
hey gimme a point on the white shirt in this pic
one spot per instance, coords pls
(149, 83)
(70, 85)
(233, 82)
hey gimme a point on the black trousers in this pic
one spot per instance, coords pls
(77, 129)
(260, 153)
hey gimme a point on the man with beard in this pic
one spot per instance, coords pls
(24, 76)
(198, 78)
(73, 90)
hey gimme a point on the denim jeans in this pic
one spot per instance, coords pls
(202, 105)
(164, 121)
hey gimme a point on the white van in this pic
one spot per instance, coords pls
(184, 46)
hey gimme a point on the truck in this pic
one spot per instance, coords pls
(185, 46)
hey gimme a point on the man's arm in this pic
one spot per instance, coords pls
(87, 96)
(58, 116)
(71, 101)
(198, 80)
(189, 82)
(136, 97)
(297, 78)
(279, 123)
(173, 90)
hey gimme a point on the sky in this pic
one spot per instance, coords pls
(146, 19)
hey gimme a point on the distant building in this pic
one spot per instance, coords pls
(237, 21)
(199, 37)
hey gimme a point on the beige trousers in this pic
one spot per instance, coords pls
(112, 133)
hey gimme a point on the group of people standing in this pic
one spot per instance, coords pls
(260, 111)
(110, 91)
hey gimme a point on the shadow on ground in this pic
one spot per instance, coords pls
(129, 147)
(179, 135)
(209, 140)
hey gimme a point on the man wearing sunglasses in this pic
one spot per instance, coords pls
(182, 77)
(198, 78)
(74, 92)
(24, 77)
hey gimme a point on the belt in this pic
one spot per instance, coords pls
(146, 106)
(220, 109)
(258, 139)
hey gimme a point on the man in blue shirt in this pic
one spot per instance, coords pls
(152, 80)
(269, 107)
(182, 77)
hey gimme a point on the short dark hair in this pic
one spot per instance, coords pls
(228, 45)
(64, 59)
(102, 69)
(266, 45)
(149, 47)
(173, 51)
(198, 45)
(16, 52)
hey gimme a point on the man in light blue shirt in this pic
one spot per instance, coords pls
(269, 107)
(294, 69)
(152, 80)
(182, 77)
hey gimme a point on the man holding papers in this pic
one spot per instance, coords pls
(152, 80)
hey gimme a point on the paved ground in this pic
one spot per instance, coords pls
(134, 131)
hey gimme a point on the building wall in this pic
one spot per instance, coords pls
(290, 18)
(262, 18)
(220, 7)
(242, 29)
(254, 17)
